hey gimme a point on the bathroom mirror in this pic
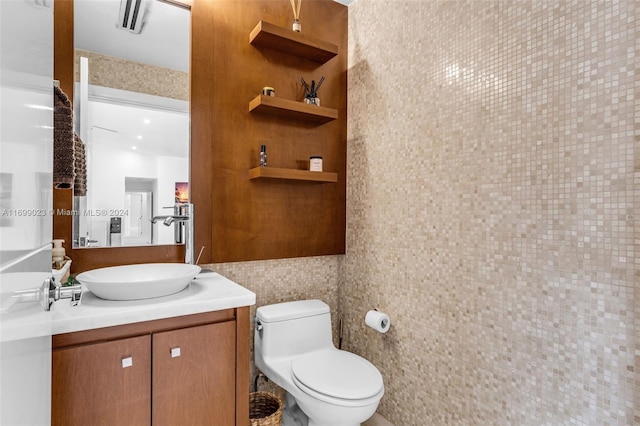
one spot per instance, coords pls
(131, 110)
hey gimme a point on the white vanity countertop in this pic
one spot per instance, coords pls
(210, 291)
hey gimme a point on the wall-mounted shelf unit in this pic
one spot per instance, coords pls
(273, 37)
(292, 174)
(292, 109)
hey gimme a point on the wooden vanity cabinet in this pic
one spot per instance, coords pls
(91, 386)
(192, 384)
(190, 370)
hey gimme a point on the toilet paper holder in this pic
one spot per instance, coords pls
(377, 320)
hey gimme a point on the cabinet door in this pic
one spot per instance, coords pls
(194, 376)
(103, 384)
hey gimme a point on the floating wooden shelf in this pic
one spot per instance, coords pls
(292, 109)
(288, 41)
(291, 174)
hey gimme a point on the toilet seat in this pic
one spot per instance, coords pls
(333, 375)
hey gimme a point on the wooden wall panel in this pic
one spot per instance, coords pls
(63, 72)
(269, 219)
(63, 45)
(202, 128)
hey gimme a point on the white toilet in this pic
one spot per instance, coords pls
(294, 349)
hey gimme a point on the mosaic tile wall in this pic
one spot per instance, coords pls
(118, 73)
(490, 209)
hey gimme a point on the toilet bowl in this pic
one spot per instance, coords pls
(294, 348)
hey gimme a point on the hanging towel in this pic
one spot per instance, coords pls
(63, 143)
(80, 166)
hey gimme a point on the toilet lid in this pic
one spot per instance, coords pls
(338, 374)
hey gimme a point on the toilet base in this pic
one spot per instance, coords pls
(292, 415)
(312, 423)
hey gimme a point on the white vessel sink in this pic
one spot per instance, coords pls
(142, 281)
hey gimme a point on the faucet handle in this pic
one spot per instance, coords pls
(74, 293)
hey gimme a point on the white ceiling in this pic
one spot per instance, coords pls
(164, 40)
(152, 124)
(151, 131)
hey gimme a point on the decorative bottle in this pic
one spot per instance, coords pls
(263, 156)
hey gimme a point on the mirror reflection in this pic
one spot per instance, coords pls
(131, 107)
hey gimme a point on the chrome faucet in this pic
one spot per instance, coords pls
(183, 214)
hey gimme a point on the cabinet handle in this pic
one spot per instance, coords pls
(127, 361)
(175, 352)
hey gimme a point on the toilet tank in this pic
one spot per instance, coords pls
(291, 328)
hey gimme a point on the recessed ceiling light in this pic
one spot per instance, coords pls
(147, 121)
(133, 148)
(139, 137)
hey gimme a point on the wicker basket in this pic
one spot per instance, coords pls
(265, 409)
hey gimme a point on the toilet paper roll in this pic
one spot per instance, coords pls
(379, 321)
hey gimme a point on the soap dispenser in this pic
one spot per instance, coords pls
(57, 254)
